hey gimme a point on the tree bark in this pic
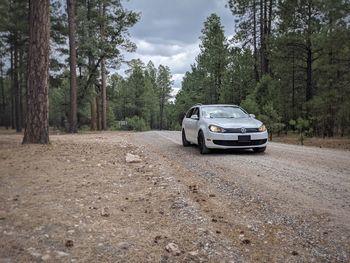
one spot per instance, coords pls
(262, 58)
(98, 113)
(103, 75)
(256, 71)
(268, 35)
(270, 17)
(73, 126)
(265, 40)
(23, 81)
(93, 114)
(3, 101)
(263, 37)
(308, 93)
(13, 126)
(293, 86)
(89, 85)
(161, 112)
(13, 117)
(309, 60)
(17, 88)
(37, 125)
(103, 96)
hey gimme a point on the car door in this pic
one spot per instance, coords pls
(192, 126)
(186, 123)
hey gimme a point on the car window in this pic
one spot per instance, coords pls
(223, 112)
(189, 113)
(196, 112)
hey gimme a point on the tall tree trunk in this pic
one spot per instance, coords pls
(103, 74)
(13, 105)
(265, 43)
(3, 101)
(219, 80)
(270, 16)
(161, 112)
(103, 96)
(293, 86)
(262, 55)
(93, 105)
(161, 107)
(99, 113)
(73, 126)
(256, 71)
(13, 122)
(22, 77)
(37, 125)
(93, 114)
(308, 91)
(268, 30)
(17, 89)
(263, 37)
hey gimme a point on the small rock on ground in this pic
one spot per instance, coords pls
(132, 158)
(173, 249)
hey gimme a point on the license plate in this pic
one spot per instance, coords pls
(244, 138)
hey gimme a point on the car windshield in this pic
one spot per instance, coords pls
(223, 112)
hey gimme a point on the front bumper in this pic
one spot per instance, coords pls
(230, 140)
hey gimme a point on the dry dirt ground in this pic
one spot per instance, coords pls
(79, 200)
(334, 142)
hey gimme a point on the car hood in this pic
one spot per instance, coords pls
(235, 122)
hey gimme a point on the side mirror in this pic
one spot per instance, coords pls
(194, 117)
(252, 116)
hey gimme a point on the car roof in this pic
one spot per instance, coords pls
(215, 105)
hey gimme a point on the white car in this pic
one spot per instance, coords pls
(223, 126)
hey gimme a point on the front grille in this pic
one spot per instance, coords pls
(237, 143)
(238, 130)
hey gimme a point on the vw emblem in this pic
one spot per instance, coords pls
(243, 130)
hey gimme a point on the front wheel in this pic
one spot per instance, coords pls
(259, 150)
(201, 144)
(185, 143)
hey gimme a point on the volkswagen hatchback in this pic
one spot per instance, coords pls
(223, 126)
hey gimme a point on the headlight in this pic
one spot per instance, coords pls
(214, 128)
(262, 128)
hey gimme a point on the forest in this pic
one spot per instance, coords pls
(288, 64)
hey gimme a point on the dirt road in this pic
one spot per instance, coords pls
(78, 200)
(292, 202)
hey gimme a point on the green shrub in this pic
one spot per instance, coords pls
(136, 123)
(302, 125)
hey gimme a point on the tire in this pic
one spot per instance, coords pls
(185, 143)
(201, 144)
(259, 150)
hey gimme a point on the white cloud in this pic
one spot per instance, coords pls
(163, 49)
(168, 32)
(177, 79)
(178, 57)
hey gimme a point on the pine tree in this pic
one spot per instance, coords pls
(72, 62)
(164, 89)
(212, 60)
(102, 33)
(14, 35)
(254, 29)
(37, 123)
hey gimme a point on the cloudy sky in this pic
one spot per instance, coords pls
(169, 30)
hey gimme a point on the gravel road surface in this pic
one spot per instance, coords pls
(289, 204)
(143, 197)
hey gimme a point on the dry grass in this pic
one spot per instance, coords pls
(334, 142)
